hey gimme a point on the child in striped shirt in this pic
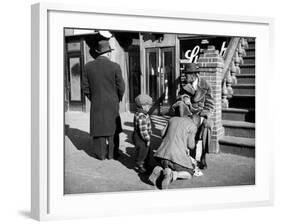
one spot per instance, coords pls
(142, 130)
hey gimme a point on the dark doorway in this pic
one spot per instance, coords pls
(134, 75)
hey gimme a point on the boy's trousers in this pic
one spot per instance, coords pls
(142, 149)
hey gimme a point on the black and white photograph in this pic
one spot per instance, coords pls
(140, 112)
(150, 111)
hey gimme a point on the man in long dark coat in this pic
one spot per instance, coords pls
(104, 86)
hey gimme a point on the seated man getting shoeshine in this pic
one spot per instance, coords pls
(201, 99)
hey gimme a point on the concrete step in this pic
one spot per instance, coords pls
(245, 78)
(237, 145)
(242, 101)
(250, 52)
(239, 128)
(251, 44)
(234, 114)
(251, 39)
(247, 69)
(238, 114)
(244, 89)
(249, 60)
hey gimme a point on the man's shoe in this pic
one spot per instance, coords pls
(167, 179)
(155, 174)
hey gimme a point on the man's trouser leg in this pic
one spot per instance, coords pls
(113, 146)
(116, 142)
(100, 147)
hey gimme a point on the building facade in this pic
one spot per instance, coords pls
(151, 63)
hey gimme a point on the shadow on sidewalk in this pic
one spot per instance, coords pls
(82, 141)
(127, 158)
(128, 155)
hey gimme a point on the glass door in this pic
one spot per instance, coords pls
(160, 74)
(167, 74)
(152, 81)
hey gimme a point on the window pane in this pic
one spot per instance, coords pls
(152, 72)
(74, 46)
(75, 79)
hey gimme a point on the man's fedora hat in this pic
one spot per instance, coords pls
(192, 68)
(103, 47)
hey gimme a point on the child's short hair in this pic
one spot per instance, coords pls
(143, 99)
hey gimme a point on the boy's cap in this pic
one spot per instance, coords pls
(143, 99)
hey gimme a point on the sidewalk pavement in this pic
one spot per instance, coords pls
(86, 174)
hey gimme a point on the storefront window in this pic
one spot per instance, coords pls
(74, 46)
(152, 74)
(75, 79)
(168, 71)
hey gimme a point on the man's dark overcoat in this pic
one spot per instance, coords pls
(104, 86)
(202, 101)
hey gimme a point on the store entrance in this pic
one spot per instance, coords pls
(160, 74)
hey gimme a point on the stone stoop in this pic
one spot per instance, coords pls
(246, 78)
(244, 89)
(238, 145)
(239, 128)
(239, 138)
(236, 114)
(239, 118)
(245, 101)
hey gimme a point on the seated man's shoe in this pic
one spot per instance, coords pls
(155, 174)
(167, 179)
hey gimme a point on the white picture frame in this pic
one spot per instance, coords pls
(48, 201)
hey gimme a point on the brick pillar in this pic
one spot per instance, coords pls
(211, 65)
